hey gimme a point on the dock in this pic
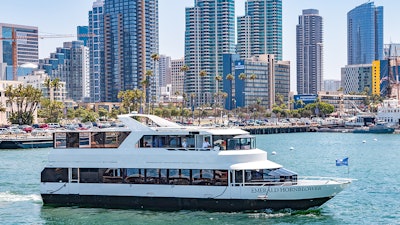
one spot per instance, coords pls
(279, 129)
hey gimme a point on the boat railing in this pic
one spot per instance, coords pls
(192, 149)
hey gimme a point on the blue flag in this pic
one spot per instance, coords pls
(342, 162)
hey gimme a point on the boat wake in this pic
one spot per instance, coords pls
(268, 213)
(7, 197)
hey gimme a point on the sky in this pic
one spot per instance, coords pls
(62, 17)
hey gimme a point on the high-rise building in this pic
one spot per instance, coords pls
(70, 64)
(332, 85)
(209, 33)
(365, 34)
(309, 54)
(355, 78)
(177, 76)
(265, 78)
(130, 38)
(26, 46)
(260, 30)
(96, 50)
(164, 70)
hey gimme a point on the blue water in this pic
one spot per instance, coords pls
(374, 198)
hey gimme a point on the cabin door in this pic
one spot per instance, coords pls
(236, 181)
(73, 180)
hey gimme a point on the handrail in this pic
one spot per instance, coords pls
(189, 149)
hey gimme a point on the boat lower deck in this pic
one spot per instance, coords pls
(174, 204)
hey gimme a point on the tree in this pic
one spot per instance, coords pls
(103, 113)
(279, 99)
(86, 115)
(202, 75)
(48, 85)
(52, 111)
(149, 84)
(253, 77)
(320, 108)
(154, 84)
(23, 102)
(230, 77)
(243, 77)
(131, 99)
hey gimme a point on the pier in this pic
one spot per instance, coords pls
(278, 129)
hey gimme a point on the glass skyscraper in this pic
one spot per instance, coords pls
(96, 50)
(209, 33)
(365, 34)
(27, 50)
(260, 30)
(124, 43)
(309, 54)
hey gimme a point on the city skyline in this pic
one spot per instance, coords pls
(172, 25)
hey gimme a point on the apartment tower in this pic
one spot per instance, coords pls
(209, 33)
(309, 54)
(365, 34)
(260, 29)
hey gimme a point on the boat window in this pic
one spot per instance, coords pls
(220, 141)
(74, 175)
(146, 141)
(137, 176)
(271, 176)
(113, 175)
(54, 175)
(163, 176)
(89, 175)
(97, 139)
(84, 140)
(158, 141)
(152, 176)
(241, 143)
(221, 177)
(60, 140)
(239, 176)
(72, 140)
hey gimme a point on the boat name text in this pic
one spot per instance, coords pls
(284, 189)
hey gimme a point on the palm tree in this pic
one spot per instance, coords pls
(155, 83)
(253, 78)
(56, 84)
(218, 79)
(148, 83)
(202, 75)
(230, 77)
(48, 85)
(243, 77)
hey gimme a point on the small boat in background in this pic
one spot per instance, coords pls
(378, 128)
(25, 141)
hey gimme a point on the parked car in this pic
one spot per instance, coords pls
(4, 130)
(43, 125)
(54, 125)
(16, 130)
(26, 128)
(40, 132)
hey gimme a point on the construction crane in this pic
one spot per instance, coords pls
(14, 38)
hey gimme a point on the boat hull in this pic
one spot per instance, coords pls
(174, 204)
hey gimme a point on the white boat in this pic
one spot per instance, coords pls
(389, 111)
(360, 120)
(144, 166)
